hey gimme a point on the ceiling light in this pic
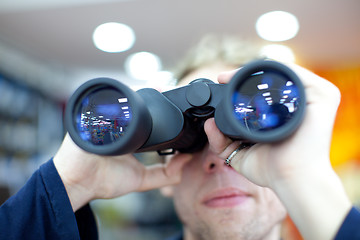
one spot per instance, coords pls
(142, 65)
(277, 26)
(113, 37)
(278, 52)
(161, 79)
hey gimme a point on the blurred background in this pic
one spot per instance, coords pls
(48, 48)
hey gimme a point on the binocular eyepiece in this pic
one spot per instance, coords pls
(263, 102)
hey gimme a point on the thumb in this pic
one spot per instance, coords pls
(218, 142)
(163, 174)
(225, 77)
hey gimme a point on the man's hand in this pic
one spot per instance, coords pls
(88, 176)
(298, 168)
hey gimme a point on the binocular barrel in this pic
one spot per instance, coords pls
(263, 102)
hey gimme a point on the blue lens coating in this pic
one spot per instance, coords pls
(103, 116)
(266, 100)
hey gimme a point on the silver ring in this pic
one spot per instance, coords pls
(232, 155)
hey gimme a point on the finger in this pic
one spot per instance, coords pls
(160, 175)
(250, 162)
(225, 77)
(307, 77)
(218, 142)
(317, 88)
(322, 99)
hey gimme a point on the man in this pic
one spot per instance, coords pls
(213, 200)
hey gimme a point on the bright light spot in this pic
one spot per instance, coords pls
(142, 65)
(113, 37)
(277, 26)
(289, 83)
(263, 86)
(278, 52)
(266, 94)
(123, 100)
(242, 110)
(287, 91)
(161, 78)
(257, 73)
(290, 106)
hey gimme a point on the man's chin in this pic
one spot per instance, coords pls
(230, 218)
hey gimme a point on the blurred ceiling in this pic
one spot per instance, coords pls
(49, 43)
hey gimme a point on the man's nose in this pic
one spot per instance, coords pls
(212, 163)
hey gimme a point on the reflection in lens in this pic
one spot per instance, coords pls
(103, 116)
(266, 100)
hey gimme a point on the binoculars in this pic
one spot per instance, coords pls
(263, 102)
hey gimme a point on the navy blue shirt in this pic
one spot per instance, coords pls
(42, 210)
(350, 229)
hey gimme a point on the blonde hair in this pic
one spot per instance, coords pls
(212, 49)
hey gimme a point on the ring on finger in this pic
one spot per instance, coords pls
(232, 155)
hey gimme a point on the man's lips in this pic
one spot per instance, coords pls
(227, 197)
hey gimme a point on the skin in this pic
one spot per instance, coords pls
(297, 170)
(214, 201)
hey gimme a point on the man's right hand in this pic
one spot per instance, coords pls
(88, 176)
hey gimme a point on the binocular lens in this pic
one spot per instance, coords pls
(103, 116)
(266, 101)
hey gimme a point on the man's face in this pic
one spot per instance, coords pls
(215, 202)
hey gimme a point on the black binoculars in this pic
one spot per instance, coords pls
(263, 102)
